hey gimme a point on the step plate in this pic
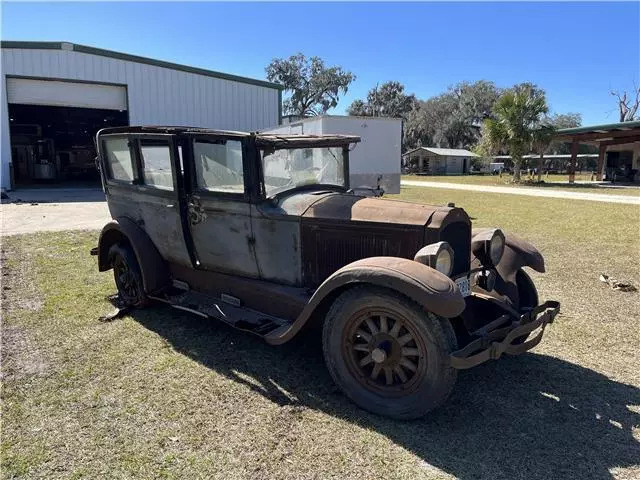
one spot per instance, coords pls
(237, 316)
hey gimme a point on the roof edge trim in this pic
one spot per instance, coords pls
(138, 59)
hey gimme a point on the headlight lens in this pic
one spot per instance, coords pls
(496, 248)
(438, 256)
(444, 262)
(488, 246)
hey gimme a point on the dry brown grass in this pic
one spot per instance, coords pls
(163, 394)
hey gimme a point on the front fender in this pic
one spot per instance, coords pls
(428, 287)
(518, 253)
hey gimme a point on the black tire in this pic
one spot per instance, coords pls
(527, 292)
(127, 276)
(432, 340)
(527, 298)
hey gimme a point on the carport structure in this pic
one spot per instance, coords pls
(618, 146)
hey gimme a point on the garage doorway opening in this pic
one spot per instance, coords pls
(54, 145)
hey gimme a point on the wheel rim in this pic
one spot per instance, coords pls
(384, 351)
(125, 279)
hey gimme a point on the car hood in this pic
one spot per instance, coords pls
(354, 208)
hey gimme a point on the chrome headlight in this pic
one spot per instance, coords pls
(488, 246)
(437, 255)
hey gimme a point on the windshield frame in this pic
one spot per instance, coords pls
(308, 186)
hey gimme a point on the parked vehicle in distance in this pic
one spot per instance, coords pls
(263, 232)
(496, 167)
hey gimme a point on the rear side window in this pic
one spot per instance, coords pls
(155, 156)
(219, 166)
(118, 159)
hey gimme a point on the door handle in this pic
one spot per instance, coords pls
(196, 212)
(171, 205)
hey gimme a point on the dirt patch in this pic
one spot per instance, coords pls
(18, 290)
(19, 354)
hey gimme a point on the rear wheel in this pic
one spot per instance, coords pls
(389, 355)
(126, 273)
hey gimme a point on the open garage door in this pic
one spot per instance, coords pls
(53, 126)
(27, 91)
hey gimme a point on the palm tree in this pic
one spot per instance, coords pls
(541, 140)
(516, 115)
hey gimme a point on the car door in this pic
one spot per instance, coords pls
(158, 165)
(219, 205)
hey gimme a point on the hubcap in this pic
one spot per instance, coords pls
(384, 351)
(379, 355)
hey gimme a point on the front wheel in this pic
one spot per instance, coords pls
(388, 354)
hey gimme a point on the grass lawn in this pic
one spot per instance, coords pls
(556, 182)
(165, 394)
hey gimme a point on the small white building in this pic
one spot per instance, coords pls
(378, 154)
(56, 95)
(439, 161)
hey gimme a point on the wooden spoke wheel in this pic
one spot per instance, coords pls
(387, 353)
(384, 351)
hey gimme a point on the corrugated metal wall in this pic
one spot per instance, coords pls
(156, 95)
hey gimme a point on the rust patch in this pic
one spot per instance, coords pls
(364, 209)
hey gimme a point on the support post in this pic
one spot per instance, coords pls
(572, 163)
(601, 153)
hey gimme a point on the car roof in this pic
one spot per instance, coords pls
(278, 140)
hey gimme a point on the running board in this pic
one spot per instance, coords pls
(236, 316)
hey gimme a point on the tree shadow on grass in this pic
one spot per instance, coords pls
(534, 416)
(590, 187)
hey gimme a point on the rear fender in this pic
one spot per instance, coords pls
(155, 274)
(436, 292)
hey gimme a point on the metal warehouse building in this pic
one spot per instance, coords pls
(56, 95)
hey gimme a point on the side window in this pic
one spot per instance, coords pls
(219, 166)
(155, 156)
(118, 159)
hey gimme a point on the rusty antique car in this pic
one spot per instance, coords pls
(263, 232)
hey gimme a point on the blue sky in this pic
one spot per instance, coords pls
(577, 52)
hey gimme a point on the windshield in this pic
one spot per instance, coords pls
(290, 168)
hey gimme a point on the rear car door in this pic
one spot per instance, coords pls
(219, 205)
(141, 182)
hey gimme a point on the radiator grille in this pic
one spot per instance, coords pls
(327, 249)
(458, 235)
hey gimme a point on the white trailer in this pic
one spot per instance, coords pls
(378, 155)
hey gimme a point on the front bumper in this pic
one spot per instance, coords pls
(498, 336)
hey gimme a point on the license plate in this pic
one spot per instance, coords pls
(463, 286)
